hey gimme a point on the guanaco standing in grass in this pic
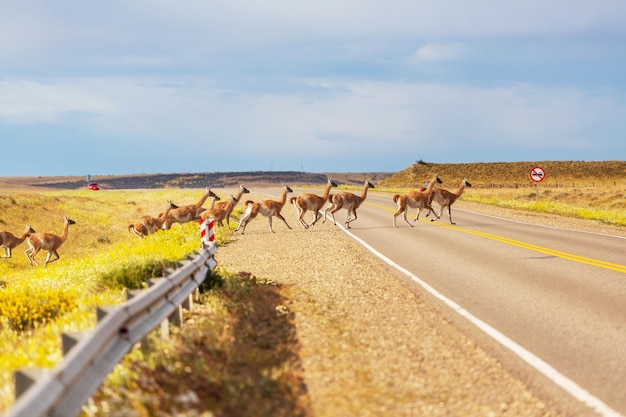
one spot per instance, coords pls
(313, 202)
(268, 208)
(445, 198)
(149, 225)
(347, 200)
(415, 199)
(48, 242)
(9, 241)
(184, 214)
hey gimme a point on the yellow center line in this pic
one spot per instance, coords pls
(520, 244)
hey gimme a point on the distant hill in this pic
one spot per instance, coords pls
(480, 174)
(206, 179)
(509, 174)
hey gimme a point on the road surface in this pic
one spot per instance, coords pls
(553, 300)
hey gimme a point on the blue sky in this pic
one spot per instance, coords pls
(125, 87)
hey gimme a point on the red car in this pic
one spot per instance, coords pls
(93, 186)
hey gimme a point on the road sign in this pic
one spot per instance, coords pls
(537, 174)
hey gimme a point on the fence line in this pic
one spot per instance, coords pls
(89, 358)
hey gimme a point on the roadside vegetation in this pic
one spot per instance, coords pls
(98, 262)
(101, 260)
(237, 355)
(582, 190)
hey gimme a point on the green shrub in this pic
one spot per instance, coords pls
(212, 280)
(135, 276)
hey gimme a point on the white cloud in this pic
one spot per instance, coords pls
(375, 114)
(440, 51)
(26, 101)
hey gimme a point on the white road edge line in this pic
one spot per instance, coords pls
(555, 376)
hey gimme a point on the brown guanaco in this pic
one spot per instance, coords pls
(48, 242)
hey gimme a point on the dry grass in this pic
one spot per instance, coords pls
(583, 190)
(514, 174)
(237, 356)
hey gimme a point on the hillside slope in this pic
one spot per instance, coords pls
(511, 174)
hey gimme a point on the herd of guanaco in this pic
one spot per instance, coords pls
(222, 211)
(36, 242)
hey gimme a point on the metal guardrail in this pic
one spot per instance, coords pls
(63, 391)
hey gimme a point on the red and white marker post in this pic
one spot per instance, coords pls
(207, 233)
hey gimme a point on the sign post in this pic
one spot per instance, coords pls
(537, 174)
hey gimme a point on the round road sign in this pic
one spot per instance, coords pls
(537, 174)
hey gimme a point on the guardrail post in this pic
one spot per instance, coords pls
(164, 330)
(69, 340)
(132, 293)
(188, 303)
(176, 318)
(25, 378)
(101, 312)
(164, 327)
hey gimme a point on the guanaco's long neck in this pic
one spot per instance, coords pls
(459, 190)
(203, 199)
(283, 198)
(326, 191)
(167, 211)
(431, 185)
(66, 230)
(364, 192)
(239, 194)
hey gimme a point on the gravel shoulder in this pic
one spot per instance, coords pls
(369, 344)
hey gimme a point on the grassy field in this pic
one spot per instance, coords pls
(98, 261)
(101, 259)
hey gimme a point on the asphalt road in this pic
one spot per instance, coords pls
(554, 300)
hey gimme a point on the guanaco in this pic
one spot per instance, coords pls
(415, 199)
(220, 213)
(224, 204)
(445, 198)
(313, 202)
(149, 225)
(347, 200)
(184, 214)
(47, 242)
(268, 208)
(9, 241)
